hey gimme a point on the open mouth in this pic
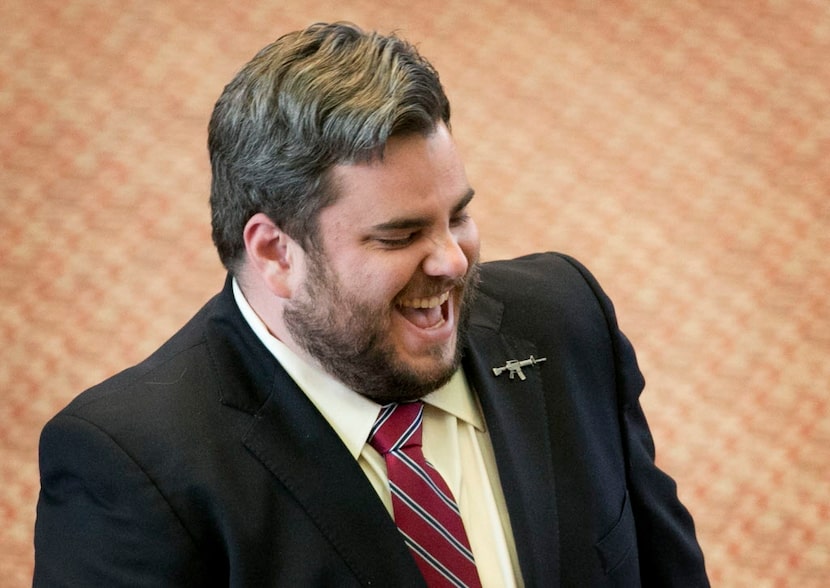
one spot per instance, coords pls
(425, 313)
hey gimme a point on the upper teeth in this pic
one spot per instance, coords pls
(426, 302)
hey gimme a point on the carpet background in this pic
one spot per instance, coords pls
(679, 149)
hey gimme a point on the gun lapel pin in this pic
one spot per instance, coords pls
(514, 367)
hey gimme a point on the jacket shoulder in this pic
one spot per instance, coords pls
(550, 286)
(170, 360)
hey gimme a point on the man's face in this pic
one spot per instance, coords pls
(383, 301)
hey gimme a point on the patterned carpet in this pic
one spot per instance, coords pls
(680, 149)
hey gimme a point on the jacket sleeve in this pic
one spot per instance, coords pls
(101, 521)
(669, 552)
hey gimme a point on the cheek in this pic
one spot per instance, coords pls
(377, 282)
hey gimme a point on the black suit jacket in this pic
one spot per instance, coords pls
(206, 465)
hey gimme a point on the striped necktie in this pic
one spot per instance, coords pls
(424, 508)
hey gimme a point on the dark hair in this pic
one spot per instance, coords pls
(326, 95)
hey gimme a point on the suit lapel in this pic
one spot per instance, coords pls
(293, 441)
(516, 418)
(297, 446)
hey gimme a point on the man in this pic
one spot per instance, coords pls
(249, 449)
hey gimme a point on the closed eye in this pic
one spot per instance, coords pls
(460, 218)
(396, 242)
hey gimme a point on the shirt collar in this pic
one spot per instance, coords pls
(456, 397)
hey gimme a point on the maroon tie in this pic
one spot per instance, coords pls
(423, 505)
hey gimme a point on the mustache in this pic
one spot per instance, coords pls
(426, 287)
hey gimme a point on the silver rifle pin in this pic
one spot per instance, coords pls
(514, 366)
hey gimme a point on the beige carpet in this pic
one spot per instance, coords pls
(680, 149)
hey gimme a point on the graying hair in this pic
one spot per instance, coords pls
(315, 98)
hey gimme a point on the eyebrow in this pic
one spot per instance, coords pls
(416, 222)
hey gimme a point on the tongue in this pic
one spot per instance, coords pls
(423, 318)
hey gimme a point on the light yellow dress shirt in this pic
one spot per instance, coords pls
(455, 442)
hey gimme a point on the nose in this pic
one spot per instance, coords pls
(446, 257)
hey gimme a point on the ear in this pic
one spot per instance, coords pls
(274, 256)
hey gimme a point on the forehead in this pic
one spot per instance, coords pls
(417, 174)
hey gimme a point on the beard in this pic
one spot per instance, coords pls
(349, 337)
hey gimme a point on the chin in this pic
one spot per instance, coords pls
(434, 360)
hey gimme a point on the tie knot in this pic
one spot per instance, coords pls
(397, 426)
